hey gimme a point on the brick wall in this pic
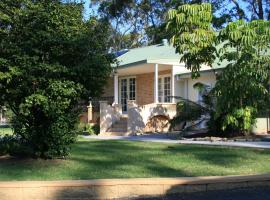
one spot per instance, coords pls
(124, 188)
(145, 87)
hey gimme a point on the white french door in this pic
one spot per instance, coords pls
(127, 89)
(164, 89)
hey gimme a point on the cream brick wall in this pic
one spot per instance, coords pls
(145, 87)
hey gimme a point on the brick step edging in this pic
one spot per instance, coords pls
(123, 188)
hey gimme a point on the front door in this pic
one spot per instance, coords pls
(127, 91)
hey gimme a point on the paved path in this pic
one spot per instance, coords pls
(165, 139)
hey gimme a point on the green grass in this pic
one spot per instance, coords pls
(5, 131)
(126, 159)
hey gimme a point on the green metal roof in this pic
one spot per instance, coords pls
(147, 54)
(143, 54)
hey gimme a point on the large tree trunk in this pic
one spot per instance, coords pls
(260, 8)
(240, 11)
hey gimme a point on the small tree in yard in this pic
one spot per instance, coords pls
(242, 87)
(50, 59)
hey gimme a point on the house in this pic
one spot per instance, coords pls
(140, 97)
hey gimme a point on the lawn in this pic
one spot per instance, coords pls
(126, 159)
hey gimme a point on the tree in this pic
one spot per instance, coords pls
(259, 9)
(241, 89)
(50, 60)
(193, 36)
(250, 9)
(143, 21)
(245, 46)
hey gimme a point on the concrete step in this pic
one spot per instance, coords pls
(116, 133)
(119, 126)
(117, 129)
(122, 120)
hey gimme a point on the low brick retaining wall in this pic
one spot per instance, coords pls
(123, 188)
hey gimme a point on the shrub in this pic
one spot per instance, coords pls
(51, 117)
(88, 129)
(15, 146)
(81, 127)
(93, 129)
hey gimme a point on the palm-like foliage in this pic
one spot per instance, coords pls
(242, 87)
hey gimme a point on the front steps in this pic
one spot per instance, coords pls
(119, 128)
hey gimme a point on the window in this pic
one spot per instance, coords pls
(164, 89)
(167, 89)
(160, 90)
(132, 89)
(124, 94)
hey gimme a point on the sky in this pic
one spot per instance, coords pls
(89, 11)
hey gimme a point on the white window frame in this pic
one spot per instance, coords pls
(162, 77)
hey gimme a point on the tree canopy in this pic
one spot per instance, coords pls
(50, 60)
(139, 22)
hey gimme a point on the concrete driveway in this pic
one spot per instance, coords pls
(162, 138)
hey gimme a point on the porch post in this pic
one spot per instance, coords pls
(172, 84)
(156, 84)
(115, 88)
(89, 112)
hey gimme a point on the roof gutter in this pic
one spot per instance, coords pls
(204, 72)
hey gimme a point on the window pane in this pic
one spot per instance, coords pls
(124, 94)
(160, 91)
(167, 89)
(132, 89)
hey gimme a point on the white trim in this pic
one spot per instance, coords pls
(173, 85)
(186, 89)
(164, 75)
(156, 84)
(116, 95)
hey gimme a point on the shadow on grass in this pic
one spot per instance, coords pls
(12, 168)
(220, 156)
(129, 159)
(119, 159)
